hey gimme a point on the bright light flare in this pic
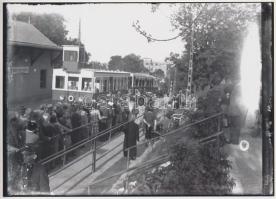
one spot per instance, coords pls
(250, 69)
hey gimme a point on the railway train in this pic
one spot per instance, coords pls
(76, 82)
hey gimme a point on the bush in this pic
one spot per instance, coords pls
(194, 169)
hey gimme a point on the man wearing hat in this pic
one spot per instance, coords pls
(150, 123)
(131, 131)
(33, 176)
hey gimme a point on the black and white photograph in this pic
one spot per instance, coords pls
(138, 99)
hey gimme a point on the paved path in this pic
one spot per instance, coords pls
(75, 178)
(246, 165)
(80, 172)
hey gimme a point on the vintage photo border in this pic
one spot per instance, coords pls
(267, 90)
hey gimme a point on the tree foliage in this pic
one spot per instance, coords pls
(115, 63)
(129, 63)
(52, 26)
(158, 73)
(194, 169)
(197, 170)
(219, 30)
(178, 71)
(96, 65)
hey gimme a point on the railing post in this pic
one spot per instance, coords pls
(128, 162)
(128, 158)
(109, 137)
(219, 123)
(218, 138)
(94, 155)
(64, 148)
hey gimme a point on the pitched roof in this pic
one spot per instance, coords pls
(25, 34)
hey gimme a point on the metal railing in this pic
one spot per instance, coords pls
(90, 140)
(161, 159)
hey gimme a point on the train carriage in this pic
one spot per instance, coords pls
(74, 82)
(142, 81)
(87, 82)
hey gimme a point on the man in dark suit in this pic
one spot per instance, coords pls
(131, 131)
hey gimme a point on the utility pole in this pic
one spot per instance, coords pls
(190, 68)
(174, 79)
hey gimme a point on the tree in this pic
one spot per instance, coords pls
(178, 71)
(96, 65)
(159, 73)
(218, 35)
(134, 63)
(51, 25)
(193, 169)
(129, 63)
(217, 40)
(115, 63)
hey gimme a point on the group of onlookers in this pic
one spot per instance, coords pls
(34, 135)
(181, 100)
(54, 127)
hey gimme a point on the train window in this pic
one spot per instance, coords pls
(73, 83)
(60, 81)
(86, 84)
(70, 56)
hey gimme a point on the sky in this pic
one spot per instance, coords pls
(106, 29)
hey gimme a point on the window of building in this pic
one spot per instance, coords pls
(86, 84)
(73, 83)
(70, 56)
(43, 78)
(60, 81)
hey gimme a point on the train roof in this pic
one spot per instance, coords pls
(92, 72)
(143, 75)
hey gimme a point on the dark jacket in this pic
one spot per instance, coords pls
(131, 131)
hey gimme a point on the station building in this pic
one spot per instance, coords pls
(30, 58)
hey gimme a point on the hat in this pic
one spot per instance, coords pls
(32, 125)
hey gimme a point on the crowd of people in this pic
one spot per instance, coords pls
(54, 127)
(181, 100)
(34, 135)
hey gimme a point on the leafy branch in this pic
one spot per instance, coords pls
(150, 38)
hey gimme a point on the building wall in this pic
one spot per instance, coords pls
(25, 87)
